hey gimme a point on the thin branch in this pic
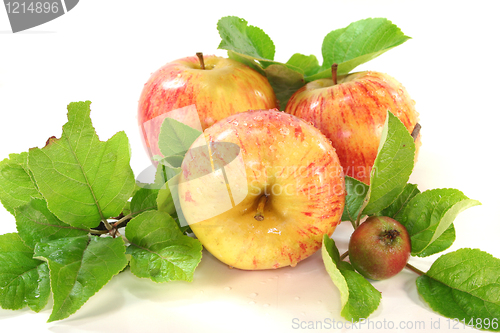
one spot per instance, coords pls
(122, 220)
(98, 232)
(415, 269)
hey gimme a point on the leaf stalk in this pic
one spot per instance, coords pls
(415, 269)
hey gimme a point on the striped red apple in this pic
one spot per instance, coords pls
(350, 110)
(213, 87)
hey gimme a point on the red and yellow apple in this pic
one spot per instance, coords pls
(214, 87)
(264, 191)
(350, 110)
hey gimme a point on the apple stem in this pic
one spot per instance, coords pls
(344, 255)
(200, 57)
(415, 269)
(259, 216)
(416, 131)
(334, 73)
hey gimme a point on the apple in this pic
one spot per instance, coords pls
(264, 192)
(350, 110)
(379, 248)
(214, 87)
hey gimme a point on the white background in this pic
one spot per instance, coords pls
(104, 51)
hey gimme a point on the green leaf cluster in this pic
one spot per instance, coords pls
(69, 199)
(428, 216)
(348, 47)
(461, 285)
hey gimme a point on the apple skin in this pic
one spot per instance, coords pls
(376, 255)
(352, 113)
(223, 88)
(287, 159)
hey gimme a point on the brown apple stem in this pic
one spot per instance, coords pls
(344, 255)
(202, 62)
(416, 131)
(259, 216)
(415, 269)
(334, 73)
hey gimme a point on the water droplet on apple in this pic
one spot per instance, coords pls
(235, 123)
(258, 118)
(284, 131)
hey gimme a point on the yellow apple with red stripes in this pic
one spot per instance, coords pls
(215, 87)
(264, 191)
(350, 110)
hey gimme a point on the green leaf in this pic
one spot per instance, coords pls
(308, 64)
(284, 81)
(79, 267)
(356, 193)
(441, 243)
(16, 185)
(358, 43)
(246, 39)
(246, 44)
(174, 160)
(175, 137)
(165, 201)
(429, 214)
(165, 172)
(465, 285)
(24, 281)
(392, 167)
(246, 60)
(159, 250)
(35, 223)
(143, 200)
(358, 297)
(159, 192)
(393, 209)
(83, 179)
